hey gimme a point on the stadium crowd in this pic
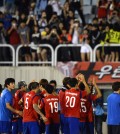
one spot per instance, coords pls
(50, 22)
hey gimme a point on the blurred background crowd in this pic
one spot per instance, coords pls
(24, 22)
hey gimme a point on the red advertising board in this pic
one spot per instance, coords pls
(103, 72)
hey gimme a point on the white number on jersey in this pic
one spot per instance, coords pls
(70, 101)
(26, 103)
(83, 107)
(54, 107)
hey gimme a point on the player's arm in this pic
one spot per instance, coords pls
(36, 108)
(81, 78)
(8, 106)
(98, 95)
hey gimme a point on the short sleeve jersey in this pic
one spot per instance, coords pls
(84, 107)
(113, 117)
(50, 105)
(72, 103)
(18, 95)
(91, 98)
(62, 101)
(6, 97)
(29, 114)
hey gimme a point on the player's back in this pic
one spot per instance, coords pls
(50, 103)
(72, 101)
(18, 95)
(62, 101)
(29, 113)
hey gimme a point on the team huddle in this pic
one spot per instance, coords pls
(42, 109)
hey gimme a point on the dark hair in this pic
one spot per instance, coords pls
(72, 82)
(0, 88)
(43, 82)
(82, 86)
(53, 82)
(49, 88)
(8, 81)
(33, 85)
(65, 81)
(116, 86)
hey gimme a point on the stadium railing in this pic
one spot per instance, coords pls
(71, 45)
(99, 45)
(35, 62)
(12, 52)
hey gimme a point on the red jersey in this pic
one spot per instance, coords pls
(62, 101)
(50, 105)
(18, 95)
(29, 114)
(84, 107)
(91, 98)
(72, 103)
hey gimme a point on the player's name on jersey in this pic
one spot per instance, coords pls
(72, 93)
(83, 99)
(52, 99)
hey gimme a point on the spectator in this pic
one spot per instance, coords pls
(35, 40)
(13, 35)
(54, 21)
(9, 6)
(42, 22)
(7, 20)
(25, 40)
(95, 38)
(84, 51)
(106, 50)
(75, 32)
(76, 6)
(53, 37)
(56, 6)
(64, 53)
(3, 50)
(40, 6)
(102, 8)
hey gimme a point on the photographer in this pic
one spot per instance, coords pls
(65, 52)
(42, 23)
(75, 31)
(53, 37)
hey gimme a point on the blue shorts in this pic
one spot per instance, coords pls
(31, 128)
(62, 123)
(90, 127)
(17, 126)
(52, 129)
(72, 124)
(83, 127)
(5, 127)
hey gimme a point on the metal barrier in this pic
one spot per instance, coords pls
(99, 45)
(71, 45)
(13, 55)
(35, 62)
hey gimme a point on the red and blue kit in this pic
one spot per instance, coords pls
(50, 105)
(29, 114)
(18, 95)
(62, 101)
(72, 103)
